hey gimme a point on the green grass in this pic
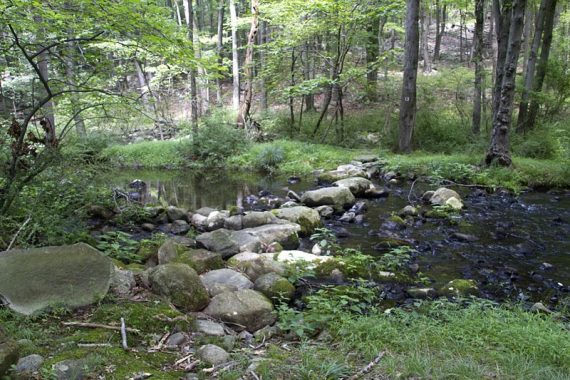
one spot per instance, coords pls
(147, 154)
(437, 340)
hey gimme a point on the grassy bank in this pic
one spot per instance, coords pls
(299, 158)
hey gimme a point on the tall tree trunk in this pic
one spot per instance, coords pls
(291, 98)
(309, 99)
(43, 68)
(70, 72)
(502, 12)
(244, 116)
(262, 61)
(372, 50)
(543, 63)
(235, 56)
(408, 100)
(425, 38)
(531, 65)
(499, 150)
(478, 60)
(189, 13)
(441, 16)
(219, 48)
(461, 22)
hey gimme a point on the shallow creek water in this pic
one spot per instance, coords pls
(522, 246)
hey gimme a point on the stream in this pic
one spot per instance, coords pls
(515, 247)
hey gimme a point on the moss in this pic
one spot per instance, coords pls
(148, 249)
(460, 288)
(397, 219)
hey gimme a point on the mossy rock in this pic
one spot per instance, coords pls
(148, 249)
(460, 288)
(274, 286)
(308, 218)
(201, 260)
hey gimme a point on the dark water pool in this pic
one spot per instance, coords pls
(520, 245)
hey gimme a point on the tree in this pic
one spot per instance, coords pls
(478, 60)
(243, 115)
(235, 56)
(499, 150)
(189, 13)
(408, 100)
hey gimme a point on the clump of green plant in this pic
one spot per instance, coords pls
(269, 158)
(132, 213)
(119, 245)
(327, 241)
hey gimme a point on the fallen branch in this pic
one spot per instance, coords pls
(369, 367)
(254, 375)
(180, 361)
(160, 343)
(99, 326)
(140, 376)
(93, 345)
(18, 233)
(124, 334)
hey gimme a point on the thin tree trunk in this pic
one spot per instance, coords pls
(543, 63)
(425, 36)
(71, 77)
(43, 66)
(372, 50)
(478, 60)
(262, 61)
(244, 116)
(441, 19)
(408, 100)
(189, 13)
(219, 48)
(235, 56)
(461, 22)
(531, 65)
(499, 150)
(291, 99)
(309, 99)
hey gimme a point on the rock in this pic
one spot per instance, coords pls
(390, 176)
(184, 241)
(246, 336)
(123, 282)
(219, 241)
(70, 369)
(212, 354)
(460, 288)
(427, 196)
(175, 213)
(201, 260)
(296, 256)
(356, 185)
(205, 211)
(338, 197)
(444, 196)
(251, 239)
(100, 212)
(169, 251)
(216, 220)
(343, 172)
(306, 217)
(539, 307)
(258, 218)
(274, 286)
(289, 204)
(210, 328)
(464, 237)
(177, 339)
(421, 293)
(149, 227)
(225, 280)
(408, 211)
(199, 221)
(337, 276)
(72, 276)
(9, 353)
(375, 192)
(244, 308)
(367, 158)
(546, 266)
(28, 365)
(254, 265)
(317, 250)
(325, 211)
(347, 217)
(180, 284)
(180, 227)
(266, 333)
(234, 222)
(294, 196)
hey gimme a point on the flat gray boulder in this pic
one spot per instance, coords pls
(306, 217)
(225, 280)
(73, 276)
(338, 197)
(242, 309)
(356, 185)
(446, 197)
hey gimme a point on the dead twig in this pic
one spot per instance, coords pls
(93, 345)
(99, 326)
(369, 367)
(254, 375)
(140, 376)
(18, 233)
(124, 334)
(160, 344)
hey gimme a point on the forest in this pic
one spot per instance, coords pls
(284, 189)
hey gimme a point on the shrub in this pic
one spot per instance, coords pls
(269, 158)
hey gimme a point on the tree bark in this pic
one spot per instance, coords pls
(441, 15)
(70, 71)
(262, 61)
(530, 68)
(408, 100)
(542, 64)
(309, 99)
(219, 48)
(235, 56)
(502, 13)
(189, 13)
(425, 38)
(243, 115)
(372, 50)
(478, 60)
(499, 151)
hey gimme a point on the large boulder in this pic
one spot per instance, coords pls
(9, 353)
(258, 218)
(200, 260)
(446, 197)
(243, 309)
(338, 197)
(180, 284)
(306, 217)
(356, 185)
(72, 276)
(225, 280)
(292, 257)
(275, 286)
(255, 265)
(342, 172)
(229, 243)
(175, 213)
